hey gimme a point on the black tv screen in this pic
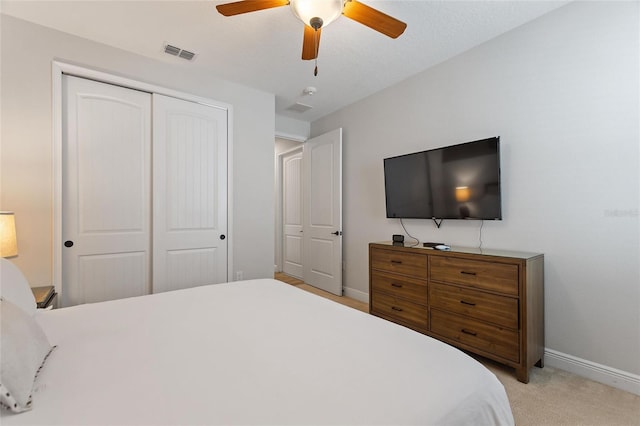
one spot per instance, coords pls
(455, 182)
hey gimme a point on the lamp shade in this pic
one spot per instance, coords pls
(327, 10)
(8, 242)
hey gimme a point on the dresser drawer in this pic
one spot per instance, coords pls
(399, 286)
(486, 337)
(498, 310)
(403, 311)
(400, 262)
(493, 276)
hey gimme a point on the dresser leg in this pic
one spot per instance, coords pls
(522, 374)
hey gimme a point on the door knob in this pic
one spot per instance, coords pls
(68, 243)
(222, 237)
(337, 233)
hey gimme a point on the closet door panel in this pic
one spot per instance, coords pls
(190, 195)
(106, 200)
(191, 268)
(113, 276)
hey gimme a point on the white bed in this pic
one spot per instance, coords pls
(251, 352)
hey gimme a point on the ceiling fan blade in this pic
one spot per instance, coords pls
(373, 18)
(310, 43)
(246, 6)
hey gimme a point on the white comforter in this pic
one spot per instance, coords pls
(251, 352)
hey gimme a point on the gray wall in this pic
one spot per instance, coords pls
(562, 92)
(26, 161)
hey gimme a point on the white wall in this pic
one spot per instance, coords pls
(563, 94)
(292, 129)
(26, 146)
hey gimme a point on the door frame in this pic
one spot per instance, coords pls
(279, 266)
(58, 68)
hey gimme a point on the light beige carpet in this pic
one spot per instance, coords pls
(557, 397)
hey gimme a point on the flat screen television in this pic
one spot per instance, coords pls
(455, 182)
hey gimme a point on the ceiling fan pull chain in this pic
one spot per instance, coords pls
(316, 24)
(315, 70)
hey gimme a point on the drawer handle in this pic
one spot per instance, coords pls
(471, 333)
(464, 302)
(396, 285)
(467, 273)
(396, 309)
(399, 262)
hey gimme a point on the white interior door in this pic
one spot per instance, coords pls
(106, 185)
(292, 211)
(322, 229)
(190, 194)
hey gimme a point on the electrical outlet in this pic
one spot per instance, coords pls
(239, 275)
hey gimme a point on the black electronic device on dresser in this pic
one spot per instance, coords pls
(398, 240)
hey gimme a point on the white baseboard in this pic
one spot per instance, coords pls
(356, 294)
(593, 371)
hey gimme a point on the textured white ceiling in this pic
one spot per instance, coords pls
(262, 49)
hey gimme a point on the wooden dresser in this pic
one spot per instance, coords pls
(488, 302)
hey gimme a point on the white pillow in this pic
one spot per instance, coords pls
(15, 288)
(23, 350)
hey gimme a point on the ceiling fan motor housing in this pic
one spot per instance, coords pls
(307, 10)
(316, 23)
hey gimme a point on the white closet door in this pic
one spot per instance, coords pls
(106, 192)
(190, 194)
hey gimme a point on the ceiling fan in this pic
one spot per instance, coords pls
(316, 14)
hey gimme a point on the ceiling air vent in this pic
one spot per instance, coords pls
(171, 50)
(176, 51)
(299, 107)
(185, 54)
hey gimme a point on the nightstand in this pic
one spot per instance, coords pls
(45, 296)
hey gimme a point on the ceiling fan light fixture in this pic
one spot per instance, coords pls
(327, 10)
